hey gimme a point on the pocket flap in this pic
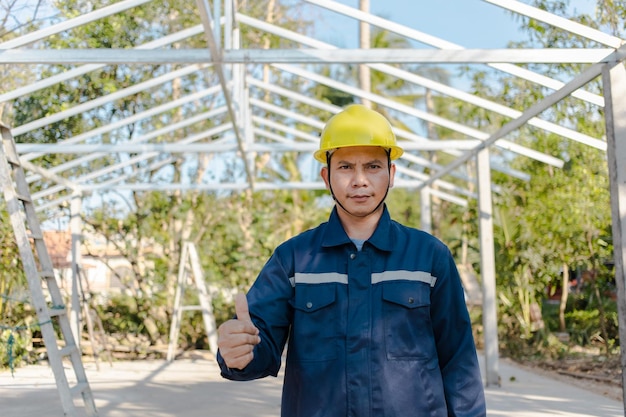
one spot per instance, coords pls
(311, 298)
(407, 294)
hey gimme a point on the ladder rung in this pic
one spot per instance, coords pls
(11, 160)
(24, 198)
(55, 312)
(68, 350)
(190, 308)
(46, 273)
(35, 236)
(79, 388)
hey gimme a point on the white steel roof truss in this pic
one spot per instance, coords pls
(471, 132)
(52, 176)
(50, 148)
(420, 143)
(88, 105)
(310, 146)
(215, 49)
(316, 124)
(304, 56)
(292, 94)
(402, 169)
(217, 53)
(443, 44)
(439, 183)
(436, 86)
(136, 159)
(154, 166)
(286, 129)
(84, 69)
(103, 185)
(72, 23)
(559, 22)
(578, 81)
(138, 139)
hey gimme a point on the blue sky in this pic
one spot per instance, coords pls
(468, 23)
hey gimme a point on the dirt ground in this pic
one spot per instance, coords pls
(191, 387)
(600, 375)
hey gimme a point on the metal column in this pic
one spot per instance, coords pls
(614, 80)
(76, 231)
(488, 269)
(426, 215)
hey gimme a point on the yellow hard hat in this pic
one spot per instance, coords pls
(357, 125)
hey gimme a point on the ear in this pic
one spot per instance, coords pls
(392, 174)
(324, 175)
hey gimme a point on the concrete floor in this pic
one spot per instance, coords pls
(191, 387)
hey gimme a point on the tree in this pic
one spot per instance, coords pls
(147, 227)
(560, 219)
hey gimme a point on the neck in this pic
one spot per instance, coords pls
(359, 227)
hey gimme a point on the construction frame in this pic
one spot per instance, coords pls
(245, 135)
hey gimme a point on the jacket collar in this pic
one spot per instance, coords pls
(335, 235)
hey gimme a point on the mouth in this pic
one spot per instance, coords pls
(359, 198)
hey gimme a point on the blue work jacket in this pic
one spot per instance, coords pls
(379, 332)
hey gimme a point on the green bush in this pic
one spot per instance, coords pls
(582, 320)
(585, 328)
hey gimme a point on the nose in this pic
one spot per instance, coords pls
(359, 179)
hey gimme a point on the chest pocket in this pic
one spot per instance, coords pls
(408, 327)
(315, 326)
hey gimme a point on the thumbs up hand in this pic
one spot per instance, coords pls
(236, 338)
(241, 308)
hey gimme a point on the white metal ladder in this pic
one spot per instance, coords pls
(189, 257)
(39, 273)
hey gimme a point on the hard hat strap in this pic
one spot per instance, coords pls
(332, 193)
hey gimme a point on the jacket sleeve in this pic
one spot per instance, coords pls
(455, 343)
(268, 303)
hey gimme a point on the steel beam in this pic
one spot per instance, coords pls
(439, 43)
(302, 56)
(578, 81)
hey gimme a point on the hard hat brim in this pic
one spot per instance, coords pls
(395, 152)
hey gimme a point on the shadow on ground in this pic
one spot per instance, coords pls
(192, 387)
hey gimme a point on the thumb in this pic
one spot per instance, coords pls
(241, 307)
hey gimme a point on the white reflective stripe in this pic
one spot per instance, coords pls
(323, 278)
(330, 277)
(419, 276)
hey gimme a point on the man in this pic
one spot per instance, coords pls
(373, 311)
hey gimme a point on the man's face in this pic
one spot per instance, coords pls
(359, 177)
